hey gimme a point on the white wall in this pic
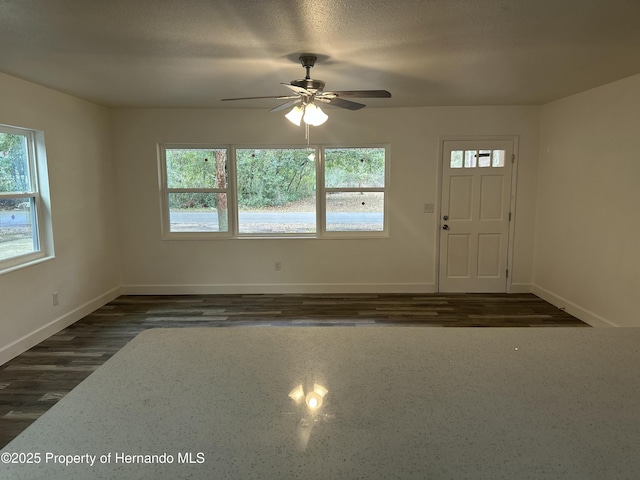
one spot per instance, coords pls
(85, 270)
(587, 255)
(404, 262)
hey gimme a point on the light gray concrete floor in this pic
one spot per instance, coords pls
(400, 403)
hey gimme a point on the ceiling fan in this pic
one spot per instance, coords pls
(307, 91)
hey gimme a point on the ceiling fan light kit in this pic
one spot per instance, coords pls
(305, 93)
(295, 115)
(308, 113)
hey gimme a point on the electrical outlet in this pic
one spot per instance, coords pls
(428, 208)
(277, 266)
(55, 298)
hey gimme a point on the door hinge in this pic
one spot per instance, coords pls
(507, 273)
(513, 157)
(509, 216)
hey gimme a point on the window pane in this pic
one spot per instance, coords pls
(456, 159)
(498, 158)
(354, 167)
(355, 211)
(196, 168)
(294, 217)
(16, 227)
(276, 190)
(484, 158)
(470, 157)
(198, 212)
(14, 163)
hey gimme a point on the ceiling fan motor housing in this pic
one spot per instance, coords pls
(309, 84)
(308, 61)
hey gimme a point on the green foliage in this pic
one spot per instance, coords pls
(268, 177)
(14, 167)
(354, 167)
(194, 168)
(201, 201)
(273, 177)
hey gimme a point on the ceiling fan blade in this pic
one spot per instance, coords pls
(359, 94)
(339, 102)
(279, 97)
(297, 89)
(284, 106)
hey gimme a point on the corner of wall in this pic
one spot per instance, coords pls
(23, 344)
(571, 308)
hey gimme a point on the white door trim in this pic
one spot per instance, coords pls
(512, 205)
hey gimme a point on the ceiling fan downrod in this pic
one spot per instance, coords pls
(308, 61)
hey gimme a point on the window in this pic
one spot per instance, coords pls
(222, 192)
(24, 220)
(477, 158)
(276, 190)
(197, 189)
(354, 189)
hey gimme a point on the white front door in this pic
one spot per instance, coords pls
(474, 224)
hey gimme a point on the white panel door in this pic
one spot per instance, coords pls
(474, 227)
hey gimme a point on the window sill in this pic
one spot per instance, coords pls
(8, 266)
(275, 236)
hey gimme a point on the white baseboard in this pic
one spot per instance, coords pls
(281, 288)
(571, 308)
(23, 344)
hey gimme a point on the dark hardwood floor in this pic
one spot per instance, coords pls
(34, 381)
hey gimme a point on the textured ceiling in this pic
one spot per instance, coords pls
(192, 53)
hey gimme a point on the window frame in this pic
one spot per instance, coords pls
(165, 191)
(237, 233)
(232, 194)
(37, 194)
(384, 189)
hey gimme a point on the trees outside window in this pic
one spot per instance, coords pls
(276, 190)
(197, 189)
(354, 189)
(211, 192)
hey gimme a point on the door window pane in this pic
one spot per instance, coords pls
(484, 158)
(498, 158)
(456, 159)
(470, 158)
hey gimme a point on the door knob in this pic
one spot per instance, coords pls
(445, 227)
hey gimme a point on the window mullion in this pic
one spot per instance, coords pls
(321, 196)
(197, 190)
(355, 190)
(232, 196)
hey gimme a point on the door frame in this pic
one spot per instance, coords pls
(512, 198)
